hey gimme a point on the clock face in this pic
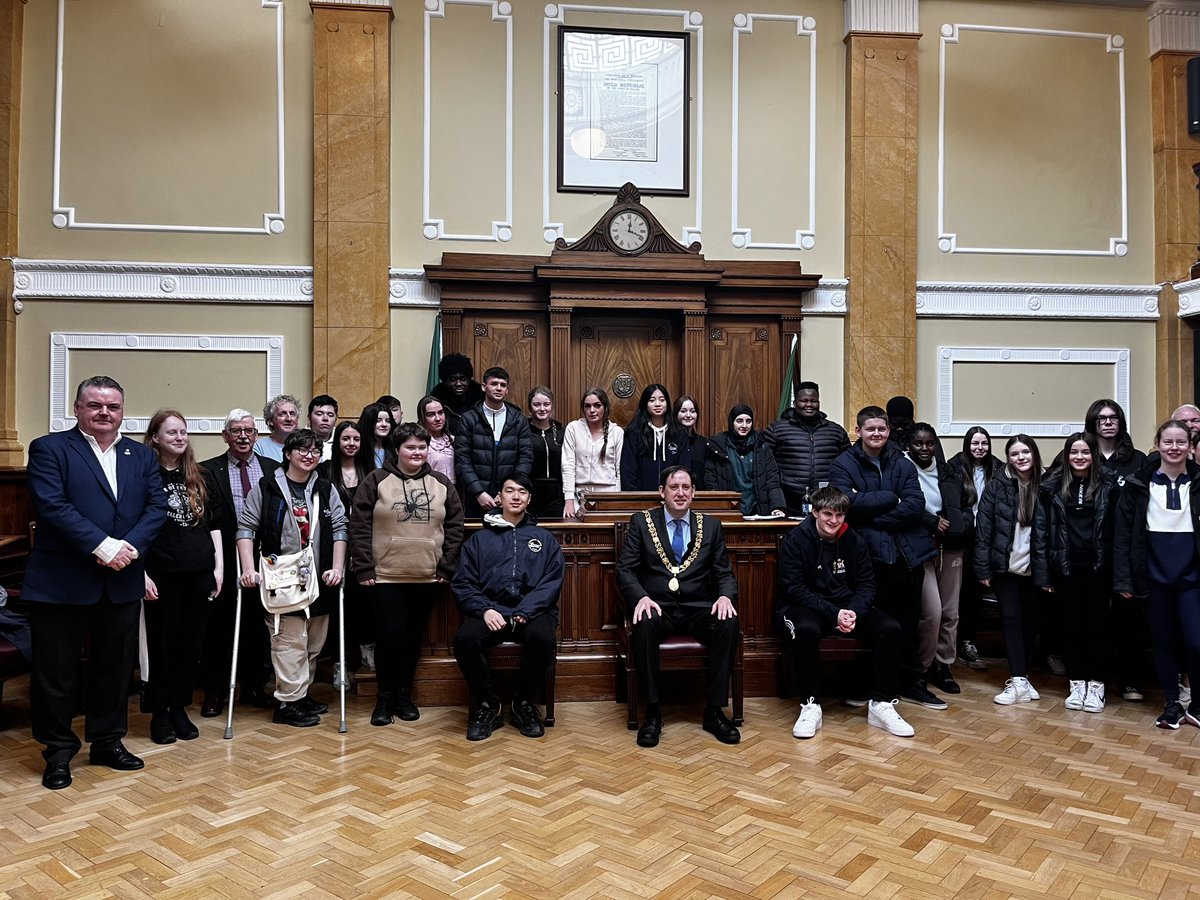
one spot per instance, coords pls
(629, 230)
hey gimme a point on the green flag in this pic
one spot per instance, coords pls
(785, 395)
(435, 355)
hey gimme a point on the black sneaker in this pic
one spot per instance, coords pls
(1192, 716)
(1172, 715)
(919, 693)
(525, 717)
(292, 714)
(940, 676)
(486, 719)
(309, 705)
(969, 654)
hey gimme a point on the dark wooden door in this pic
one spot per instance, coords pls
(744, 365)
(622, 354)
(518, 343)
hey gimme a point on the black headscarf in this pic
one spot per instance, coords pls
(742, 445)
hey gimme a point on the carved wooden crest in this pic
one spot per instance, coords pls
(629, 229)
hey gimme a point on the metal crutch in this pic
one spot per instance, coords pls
(342, 679)
(237, 634)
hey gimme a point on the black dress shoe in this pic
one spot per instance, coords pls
(382, 715)
(185, 729)
(57, 776)
(292, 714)
(161, 729)
(309, 705)
(257, 698)
(719, 725)
(648, 734)
(404, 708)
(115, 756)
(211, 707)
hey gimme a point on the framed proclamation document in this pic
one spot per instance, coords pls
(623, 110)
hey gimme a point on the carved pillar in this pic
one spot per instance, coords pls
(1174, 37)
(351, 201)
(12, 13)
(560, 363)
(881, 201)
(695, 357)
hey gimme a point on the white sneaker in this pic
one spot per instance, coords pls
(1094, 702)
(1075, 699)
(809, 722)
(1185, 693)
(367, 652)
(882, 714)
(1016, 690)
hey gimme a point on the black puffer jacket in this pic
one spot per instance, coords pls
(718, 473)
(995, 526)
(1050, 530)
(1129, 535)
(454, 406)
(481, 463)
(804, 452)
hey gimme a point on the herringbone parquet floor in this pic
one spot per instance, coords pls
(1028, 801)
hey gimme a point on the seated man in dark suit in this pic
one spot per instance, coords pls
(675, 575)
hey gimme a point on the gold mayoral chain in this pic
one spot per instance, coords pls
(673, 584)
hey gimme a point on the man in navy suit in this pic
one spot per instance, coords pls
(98, 503)
(674, 574)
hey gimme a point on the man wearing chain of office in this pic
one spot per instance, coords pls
(674, 574)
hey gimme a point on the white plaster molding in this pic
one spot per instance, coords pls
(946, 299)
(827, 299)
(948, 240)
(410, 288)
(384, 3)
(888, 16)
(62, 389)
(64, 216)
(56, 279)
(806, 238)
(1189, 297)
(500, 230)
(555, 14)
(1174, 25)
(948, 356)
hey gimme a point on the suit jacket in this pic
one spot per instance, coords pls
(216, 471)
(642, 573)
(75, 511)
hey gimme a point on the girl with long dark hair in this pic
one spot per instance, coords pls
(591, 451)
(687, 414)
(432, 415)
(653, 442)
(1004, 552)
(375, 424)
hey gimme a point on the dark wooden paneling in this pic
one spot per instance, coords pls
(745, 368)
(518, 342)
(647, 348)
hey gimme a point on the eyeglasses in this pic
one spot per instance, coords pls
(1108, 418)
(240, 432)
(308, 452)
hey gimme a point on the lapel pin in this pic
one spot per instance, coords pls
(126, 451)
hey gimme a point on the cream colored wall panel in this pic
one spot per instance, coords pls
(1029, 144)
(1051, 395)
(781, 132)
(412, 336)
(821, 340)
(468, 111)
(1034, 161)
(169, 119)
(198, 386)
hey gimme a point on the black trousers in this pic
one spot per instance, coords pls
(1018, 598)
(58, 631)
(253, 642)
(538, 638)
(1083, 599)
(876, 629)
(400, 613)
(547, 502)
(719, 636)
(1128, 638)
(1173, 613)
(898, 593)
(175, 625)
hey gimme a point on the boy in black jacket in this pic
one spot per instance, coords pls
(827, 585)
